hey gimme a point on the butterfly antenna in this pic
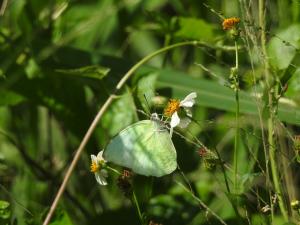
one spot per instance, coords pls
(142, 112)
(197, 144)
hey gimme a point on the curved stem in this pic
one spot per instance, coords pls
(99, 116)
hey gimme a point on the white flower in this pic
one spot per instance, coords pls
(174, 105)
(97, 168)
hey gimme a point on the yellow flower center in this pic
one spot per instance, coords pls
(94, 167)
(172, 107)
(230, 23)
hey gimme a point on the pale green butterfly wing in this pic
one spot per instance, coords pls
(145, 147)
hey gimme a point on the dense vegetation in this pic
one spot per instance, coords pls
(63, 60)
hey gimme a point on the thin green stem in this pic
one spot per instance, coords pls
(236, 55)
(203, 205)
(270, 123)
(223, 171)
(134, 199)
(99, 115)
(237, 118)
(150, 56)
(113, 170)
(227, 185)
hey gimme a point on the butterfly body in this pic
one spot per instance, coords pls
(145, 147)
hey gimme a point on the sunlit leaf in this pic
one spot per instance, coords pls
(5, 212)
(96, 72)
(146, 90)
(283, 47)
(193, 28)
(120, 114)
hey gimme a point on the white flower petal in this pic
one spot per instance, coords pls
(184, 122)
(100, 156)
(175, 120)
(188, 112)
(94, 159)
(189, 100)
(100, 178)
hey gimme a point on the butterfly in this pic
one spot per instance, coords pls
(145, 147)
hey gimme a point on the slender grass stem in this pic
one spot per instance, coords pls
(237, 119)
(134, 199)
(202, 204)
(113, 170)
(270, 122)
(99, 115)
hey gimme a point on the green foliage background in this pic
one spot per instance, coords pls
(60, 60)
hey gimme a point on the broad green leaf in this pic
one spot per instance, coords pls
(193, 28)
(146, 90)
(214, 95)
(10, 98)
(120, 114)
(282, 48)
(95, 71)
(294, 87)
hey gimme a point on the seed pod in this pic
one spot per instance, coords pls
(124, 183)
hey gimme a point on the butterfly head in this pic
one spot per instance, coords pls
(154, 116)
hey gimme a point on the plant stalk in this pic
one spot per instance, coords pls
(134, 199)
(237, 119)
(270, 122)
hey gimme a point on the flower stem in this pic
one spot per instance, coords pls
(113, 170)
(99, 115)
(134, 199)
(237, 119)
(270, 122)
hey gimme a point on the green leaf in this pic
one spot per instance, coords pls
(5, 212)
(247, 181)
(282, 48)
(95, 72)
(214, 95)
(146, 90)
(257, 219)
(61, 218)
(120, 114)
(10, 98)
(294, 87)
(192, 28)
